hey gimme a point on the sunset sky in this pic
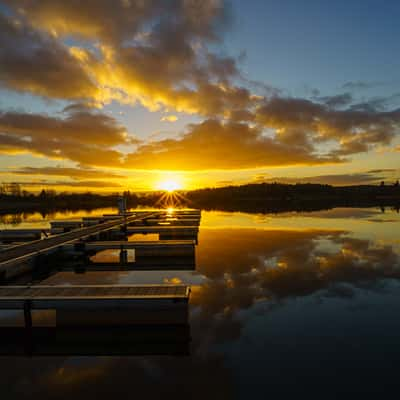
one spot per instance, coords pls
(108, 95)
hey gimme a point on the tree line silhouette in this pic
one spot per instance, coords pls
(262, 197)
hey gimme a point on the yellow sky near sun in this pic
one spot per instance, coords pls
(146, 180)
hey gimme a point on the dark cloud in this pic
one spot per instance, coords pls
(82, 135)
(364, 178)
(360, 85)
(370, 106)
(73, 184)
(350, 131)
(380, 171)
(240, 115)
(338, 100)
(75, 173)
(35, 62)
(117, 21)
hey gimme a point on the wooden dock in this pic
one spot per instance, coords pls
(45, 297)
(77, 242)
(91, 305)
(11, 256)
(18, 259)
(160, 248)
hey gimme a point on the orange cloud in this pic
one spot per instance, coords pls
(166, 64)
(214, 145)
(169, 118)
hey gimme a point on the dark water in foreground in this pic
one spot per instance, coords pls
(281, 305)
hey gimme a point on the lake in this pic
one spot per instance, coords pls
(281, 305)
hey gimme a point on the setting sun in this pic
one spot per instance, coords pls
(170, 185)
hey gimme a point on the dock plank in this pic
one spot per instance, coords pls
(88, 292)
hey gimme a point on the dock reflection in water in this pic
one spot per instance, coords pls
(130, 340)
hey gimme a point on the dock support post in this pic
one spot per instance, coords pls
(28, 327)
(123, 256)
(27, 314)
(2, 277)
(80, 246)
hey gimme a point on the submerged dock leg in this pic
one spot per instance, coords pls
(27, 314)
(123, 256)
(28, 343)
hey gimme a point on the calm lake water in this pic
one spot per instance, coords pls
(281, 305)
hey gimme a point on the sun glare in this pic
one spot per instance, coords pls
(170, 185)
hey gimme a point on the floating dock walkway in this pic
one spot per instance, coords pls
(87, 305)
(95, 306)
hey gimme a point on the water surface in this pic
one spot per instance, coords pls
(281, 305)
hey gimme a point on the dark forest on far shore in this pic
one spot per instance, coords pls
(263, 197)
